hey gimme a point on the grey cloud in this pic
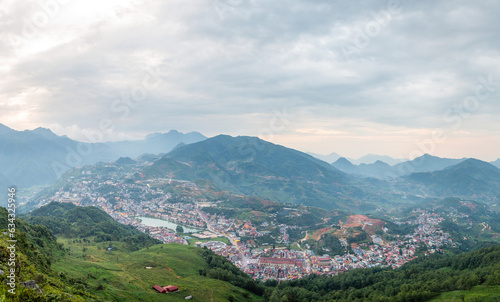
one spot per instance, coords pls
(259, 56)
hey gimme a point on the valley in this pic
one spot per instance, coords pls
(267, 239)
(271, 214)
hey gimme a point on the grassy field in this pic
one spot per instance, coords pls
(118, 275)
(477, 294)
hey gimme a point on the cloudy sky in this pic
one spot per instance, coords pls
(389, 77)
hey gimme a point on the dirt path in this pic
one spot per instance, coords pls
(304, 239)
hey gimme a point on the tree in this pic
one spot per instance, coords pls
(179, 229)
(275, 296)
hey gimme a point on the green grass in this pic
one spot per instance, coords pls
(119, 275)
(295, 247)
(479, 293)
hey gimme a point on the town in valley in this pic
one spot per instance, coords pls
(283, 242)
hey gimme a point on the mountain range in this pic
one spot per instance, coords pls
(329, 158)
(496, 163)
(470, 178)
(249, 166)
(39, 157)
(382, 170)
(366, 159)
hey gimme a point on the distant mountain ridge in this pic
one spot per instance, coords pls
(496, 163)
(248, 165)
(378, 169)
(382, 170)
(373, 158)
(471, 178)
(366, 159)
(330, 158)
(155, 143)
(38, 157)
(426, 163)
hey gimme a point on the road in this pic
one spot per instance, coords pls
(232, 240)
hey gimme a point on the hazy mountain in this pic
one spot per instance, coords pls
(424, 163)
(471, 178)
(155, 143)
(125, 161)
(343, 164)
(330, 158)
(496, 163)
(149, 157)
(372, 158)
(38, 157)
(4, 129)
(378, 169)
(382, 170)
(251, 166)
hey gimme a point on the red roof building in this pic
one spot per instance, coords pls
(159, 289)
(171, 288)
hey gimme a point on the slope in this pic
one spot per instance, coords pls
(425, 163)
(70, 221)
(119, 275)
(34, 251)
(251, 166)
(79, 267)
(378, 169)
(471, 178)
(39, 157)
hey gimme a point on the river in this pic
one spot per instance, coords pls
(155, 222)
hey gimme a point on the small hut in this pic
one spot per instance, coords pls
(160, 289)
(171, 288)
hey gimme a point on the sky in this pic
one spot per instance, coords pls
(399, 78)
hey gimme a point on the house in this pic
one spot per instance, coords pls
(171, 288)
(160, 289)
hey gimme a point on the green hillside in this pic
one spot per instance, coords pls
(251, 166)
(79, 265)
(69, 221)
(479, 293)
(119, 275)
(35, 251)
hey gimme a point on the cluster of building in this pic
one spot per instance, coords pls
(289, 264)
(142, 198)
